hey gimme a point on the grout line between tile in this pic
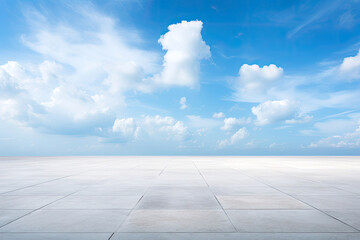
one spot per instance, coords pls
(34, 210)
(301, 201)
(215, 197)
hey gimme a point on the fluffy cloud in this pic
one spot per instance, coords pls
(175, 130)
(158, 121)
(236, 138)
(260, 84)
(231, 123)
(185, 49)
(272, 111)
(347, 140)
(41, 98)
(183, 103)
(82, 88)
(350, 67)
(218, 115)
(239, 135)
(138, 129)
(10, 74)
(125, 126)
(254, 82)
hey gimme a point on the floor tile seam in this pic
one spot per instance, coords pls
(57, 232)
(322, 211)
(161, 172)
(347, 209)
(134, 207)
(185, 232)
(232, 224)
(40, 183)
(353, 193)
(173, 209)
(230, 233)
(98, 195)
(237, 233)
(34, 210)
(85, 209)
(70, 209)
(298, 177)
(268, 209)
(307, 204)
(329, 195)
(112, 234)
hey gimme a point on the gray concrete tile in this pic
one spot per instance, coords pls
(7, 216)
(178, 198)
(261, 202)
(287, 181)
(113, 190)
(285, 221)
(313, 190)
(95, 202)
(333, 202)
(181, 181)
(233, 190)
(46, 189)
(26, 202)
(236, 236)
(224, 179)
(55, 236)
(68, 221)
(177, 221)
(349, 216)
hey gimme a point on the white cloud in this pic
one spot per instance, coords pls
(98, 51)
(175, 130)
(236, 138)
(185, 49)
(183, 103)
(9, 81)
(254, 81)
(239, 135)
(256, 84)
(273, 111)
(81, 88)
(300, 119)
(350, 67)
(347, 140)
(218, 115)
(158, 121)
(156, 128)
(231, 123)
(124, 126)
(276, 145)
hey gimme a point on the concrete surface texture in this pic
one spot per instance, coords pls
(216, 198)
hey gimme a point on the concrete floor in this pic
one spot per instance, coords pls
(187, 198)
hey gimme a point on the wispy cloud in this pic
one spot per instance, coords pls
(320, 11)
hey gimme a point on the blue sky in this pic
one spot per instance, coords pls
(179, 77)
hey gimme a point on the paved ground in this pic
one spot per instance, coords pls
(181, 198)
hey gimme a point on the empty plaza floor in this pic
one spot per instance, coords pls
(181, 198)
